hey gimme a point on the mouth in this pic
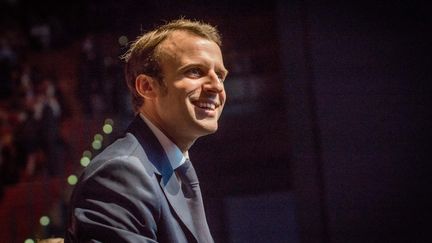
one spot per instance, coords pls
(208, 105)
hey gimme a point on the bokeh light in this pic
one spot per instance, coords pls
(44, 220)
(85, 161)
(98, 137)
(109, 121)
(97, 144)
(123, 40)
(87, 154)
(107, 129)
(72, 179)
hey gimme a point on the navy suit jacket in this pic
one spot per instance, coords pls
(129, 193)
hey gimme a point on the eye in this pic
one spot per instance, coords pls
(194, 72)
(221, 77)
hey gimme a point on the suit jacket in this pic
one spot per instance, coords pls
(129, 193)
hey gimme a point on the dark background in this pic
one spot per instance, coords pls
(326, 133)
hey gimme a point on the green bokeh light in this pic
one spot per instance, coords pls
(109, 121)
(98, 137)
(97, 144)
(87, 154)
(72, 179)
(44, 220)
(85, 161)
(107, 128)
(29, 241)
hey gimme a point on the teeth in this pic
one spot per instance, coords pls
(206, 105)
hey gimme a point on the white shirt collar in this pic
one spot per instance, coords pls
(175, 156)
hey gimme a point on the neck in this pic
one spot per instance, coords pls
(184, 146)
(183, 143)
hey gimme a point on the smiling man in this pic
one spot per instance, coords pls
(143, 188)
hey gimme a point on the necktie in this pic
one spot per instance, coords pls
(192, 193)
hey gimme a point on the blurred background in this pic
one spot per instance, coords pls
(324, 138)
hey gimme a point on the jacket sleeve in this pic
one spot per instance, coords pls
(117, 202)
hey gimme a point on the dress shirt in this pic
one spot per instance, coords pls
(174, 154)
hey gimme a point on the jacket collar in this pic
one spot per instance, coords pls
(169, 183)
(153, 149)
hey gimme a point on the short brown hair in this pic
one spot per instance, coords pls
(142, 56)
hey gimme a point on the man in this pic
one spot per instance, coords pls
(138, 189)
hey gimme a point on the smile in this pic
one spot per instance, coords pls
(207, 105)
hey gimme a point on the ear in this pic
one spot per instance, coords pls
(145, 86)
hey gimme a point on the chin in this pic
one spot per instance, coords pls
(208, 128)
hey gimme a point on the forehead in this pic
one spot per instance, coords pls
(182, 44)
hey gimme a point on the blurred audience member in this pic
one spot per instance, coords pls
(90, 86)
(47, 113)
(8, 168)
(41, 36)
(116, 93)
(7, 63)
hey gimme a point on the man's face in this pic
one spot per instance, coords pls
(192, 100)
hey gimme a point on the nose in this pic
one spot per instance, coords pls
(213, 84)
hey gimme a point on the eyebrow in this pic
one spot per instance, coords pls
(200, 64)
(189, 65)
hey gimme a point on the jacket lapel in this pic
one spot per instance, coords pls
(175, 197)
(169, 183)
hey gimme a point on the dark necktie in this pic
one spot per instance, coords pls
(192, 193)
